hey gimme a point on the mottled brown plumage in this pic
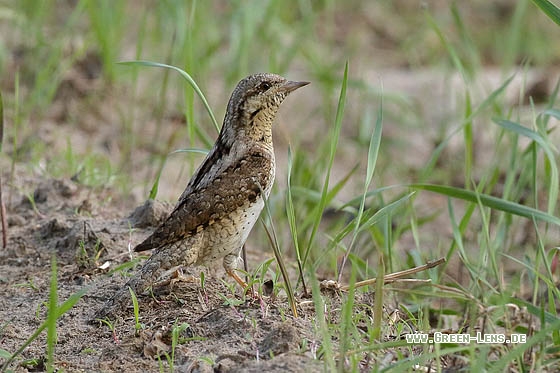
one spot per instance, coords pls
(224, 197)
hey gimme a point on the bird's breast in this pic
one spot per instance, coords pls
(228, 235)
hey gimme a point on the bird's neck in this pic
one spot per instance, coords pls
(248, 131)
(259, 129)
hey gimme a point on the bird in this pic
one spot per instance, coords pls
(224, 197)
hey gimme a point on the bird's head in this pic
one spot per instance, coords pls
(255, 101)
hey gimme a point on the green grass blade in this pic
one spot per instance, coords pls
(373, 152)
(155, 185)
(385, 211)
(548, 8)
(369, 218)
(468, 136)
(428, 170)
(315, 196)
(321, 321)
(448, 46)
(347, 326)
(549, 150)
(374, 144)
(273, 238)
(334, 143)
(4, 354)
(1, 121)
(190, 150)
(70, 302)
(136, 309)
(552, 112)
(534, 310)
(290, 213)
(378, 300)
(187, 77)
(524, 131)
(488, 201)
(52, 316)
(371, 193)
(3, 218)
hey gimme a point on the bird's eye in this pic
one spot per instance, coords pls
(264, 86)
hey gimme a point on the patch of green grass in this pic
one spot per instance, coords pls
(54, 312)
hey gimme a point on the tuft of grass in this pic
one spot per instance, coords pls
(175, 334)
(137, 324)
(54, 313)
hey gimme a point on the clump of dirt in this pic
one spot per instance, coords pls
(216, 327)
(151, 214)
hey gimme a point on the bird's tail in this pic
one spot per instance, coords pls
(138, 284)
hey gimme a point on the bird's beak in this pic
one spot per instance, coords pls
(290, 86)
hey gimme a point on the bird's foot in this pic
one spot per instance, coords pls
(177, 275)
(247, 289)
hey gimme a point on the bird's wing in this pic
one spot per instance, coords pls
(208, 203)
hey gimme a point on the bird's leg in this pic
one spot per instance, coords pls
(246, 288)
(230, 264)
(237, 279)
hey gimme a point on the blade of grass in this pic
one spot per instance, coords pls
(548, 8)
(3, 218)
(136, 309)
(155, 186)
(186, 76)
(347, 326)
(488, 201)
(552, 112)
(468, 135)
(373, 152)
(292, 221)
(448, 46)
(369, 218)
(52, 316)
(428, 170)
(316, 197)
(549, 150)
(271, 234)
(107, 22)
(334, 143)
(486, 249)
(321, 324)
(378, 301)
